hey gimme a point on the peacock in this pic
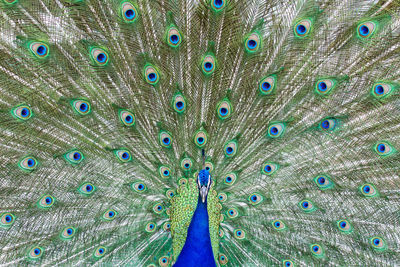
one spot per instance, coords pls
(199, 133)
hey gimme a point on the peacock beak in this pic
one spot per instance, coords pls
(203, 193)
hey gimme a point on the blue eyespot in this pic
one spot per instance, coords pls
(166, 141)
(218, 3)
(364, 31)
(266, 86)
(252, 44)
(179, 105)
(276, 129)
(305, 204)
(174, 38)
(301, 29)
(77, 156)
(25, 112)
(152, 77)
(379, 89)
(229, 150)
(369, 190)
(322, 86)
(384, 149)
(208, 66)
(83, 107)
(129, 12)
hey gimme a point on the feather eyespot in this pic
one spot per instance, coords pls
(87, 189)
(22, 112)
(208, 64)
(324, 87)
(100, 252)
(151, 74)
(230, 148)
(126, 117)
(303, 28)
(99, 56)
(255, 199)
(209, 166)
(68, 233)
(369, 190)
(382, 90)
(218, 5)
(170, 193)
(109, 215)
(150, 227)
(317, 250)
(182, 181)
(328, 124)
(232, 213)
(74, 157)
(344, 226)
(174, 37)
(223, 260)
(239, 234)
(200, 138)
(165, 172)
(366, 29)
(28, 164)
(123, 155)
(253, 43)
(158, 208)
(39, 49)
(222, 197)
(81, 106)
(167, 226)
(35, 253)
(139, 187)
(230, 179)
(276, 130)
(163, 261)
(307, 206)
(46, 201)
(129, 12)
(186, 164)
(278, 225)
(378, 243)
(224, 109)
(267, 85)
(179, 103)
(323, 182)
(6, 220)
(165, 139)
(384, 149)
(288, 263)
(269, 168)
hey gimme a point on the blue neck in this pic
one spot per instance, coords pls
(197, 250)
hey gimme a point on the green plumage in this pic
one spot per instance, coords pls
(106, 106)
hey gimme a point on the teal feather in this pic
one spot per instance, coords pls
(112, 110)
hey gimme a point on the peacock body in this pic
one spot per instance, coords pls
(199, 133)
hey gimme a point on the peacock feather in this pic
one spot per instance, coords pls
(199, 133)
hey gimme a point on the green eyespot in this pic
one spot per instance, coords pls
(307, 206)
(208, 64)
(81, 106)
(224, 109)
(255, 199)
(267, 84)
(126, 117)
(35, 253)
(123, 155)
(67, 233)
(325, 86)
(173, 36)
(384, 149)
(278, 225)
(6, 220)
(165, 139)
(317, 250)
(129, 12)
(100, 252)
(109, 215)
(276, 129)
(22, 112)
(74, 157)
(28, 164)
(45, 202)
(344, 226)
(323, 181)
(230, 148)
(269, 168)
(99, 56)
(139, 187)
(151, 74)
(252, 43)
(87, 189)
(39, 49)
(200, 138)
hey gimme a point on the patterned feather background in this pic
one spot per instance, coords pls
(108, 109)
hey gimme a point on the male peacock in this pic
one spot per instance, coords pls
(199, 133)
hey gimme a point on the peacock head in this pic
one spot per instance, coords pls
(204, 183)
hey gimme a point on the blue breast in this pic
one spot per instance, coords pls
(197, 250)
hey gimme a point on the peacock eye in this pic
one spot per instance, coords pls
(170, 193)
(163, 261)
(165, 139)
(167, 226)
(150, 227)
(302, 28)
(378, 243)
(186, 164)
(324, 87)
(307, 206)
(81, 107)
(366, 29)
(369, 190)
(269, 168)
(232, 213)
(39, 49)
(209, 166)
(230, 179)
(276, 130)
(224, 109)
(174, 37)
(382, 90)
(200, 138)
(74, 156)
(208, 64)
(222, 197)
(267, 85)
(6, 219)
(100, 252)
(328, 124)
(68, 233)
(126, 117)
(151, 74)
(239, 234)
(46, 201)
(158, 208)
(230, 148)
(217, 5)
(87, 189)
(384, 149)
(179, 103)
(344, 226)
(35, 252)
(129, 12)
(99, 56)
(253, 43)
(288, 263)
(278, 225)
(109, 215)
(223, 260)
(123, 155)
(255, 199)
(323, 182)
(28, 164)
(317, 250)
(165, 171)
(22, 112)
